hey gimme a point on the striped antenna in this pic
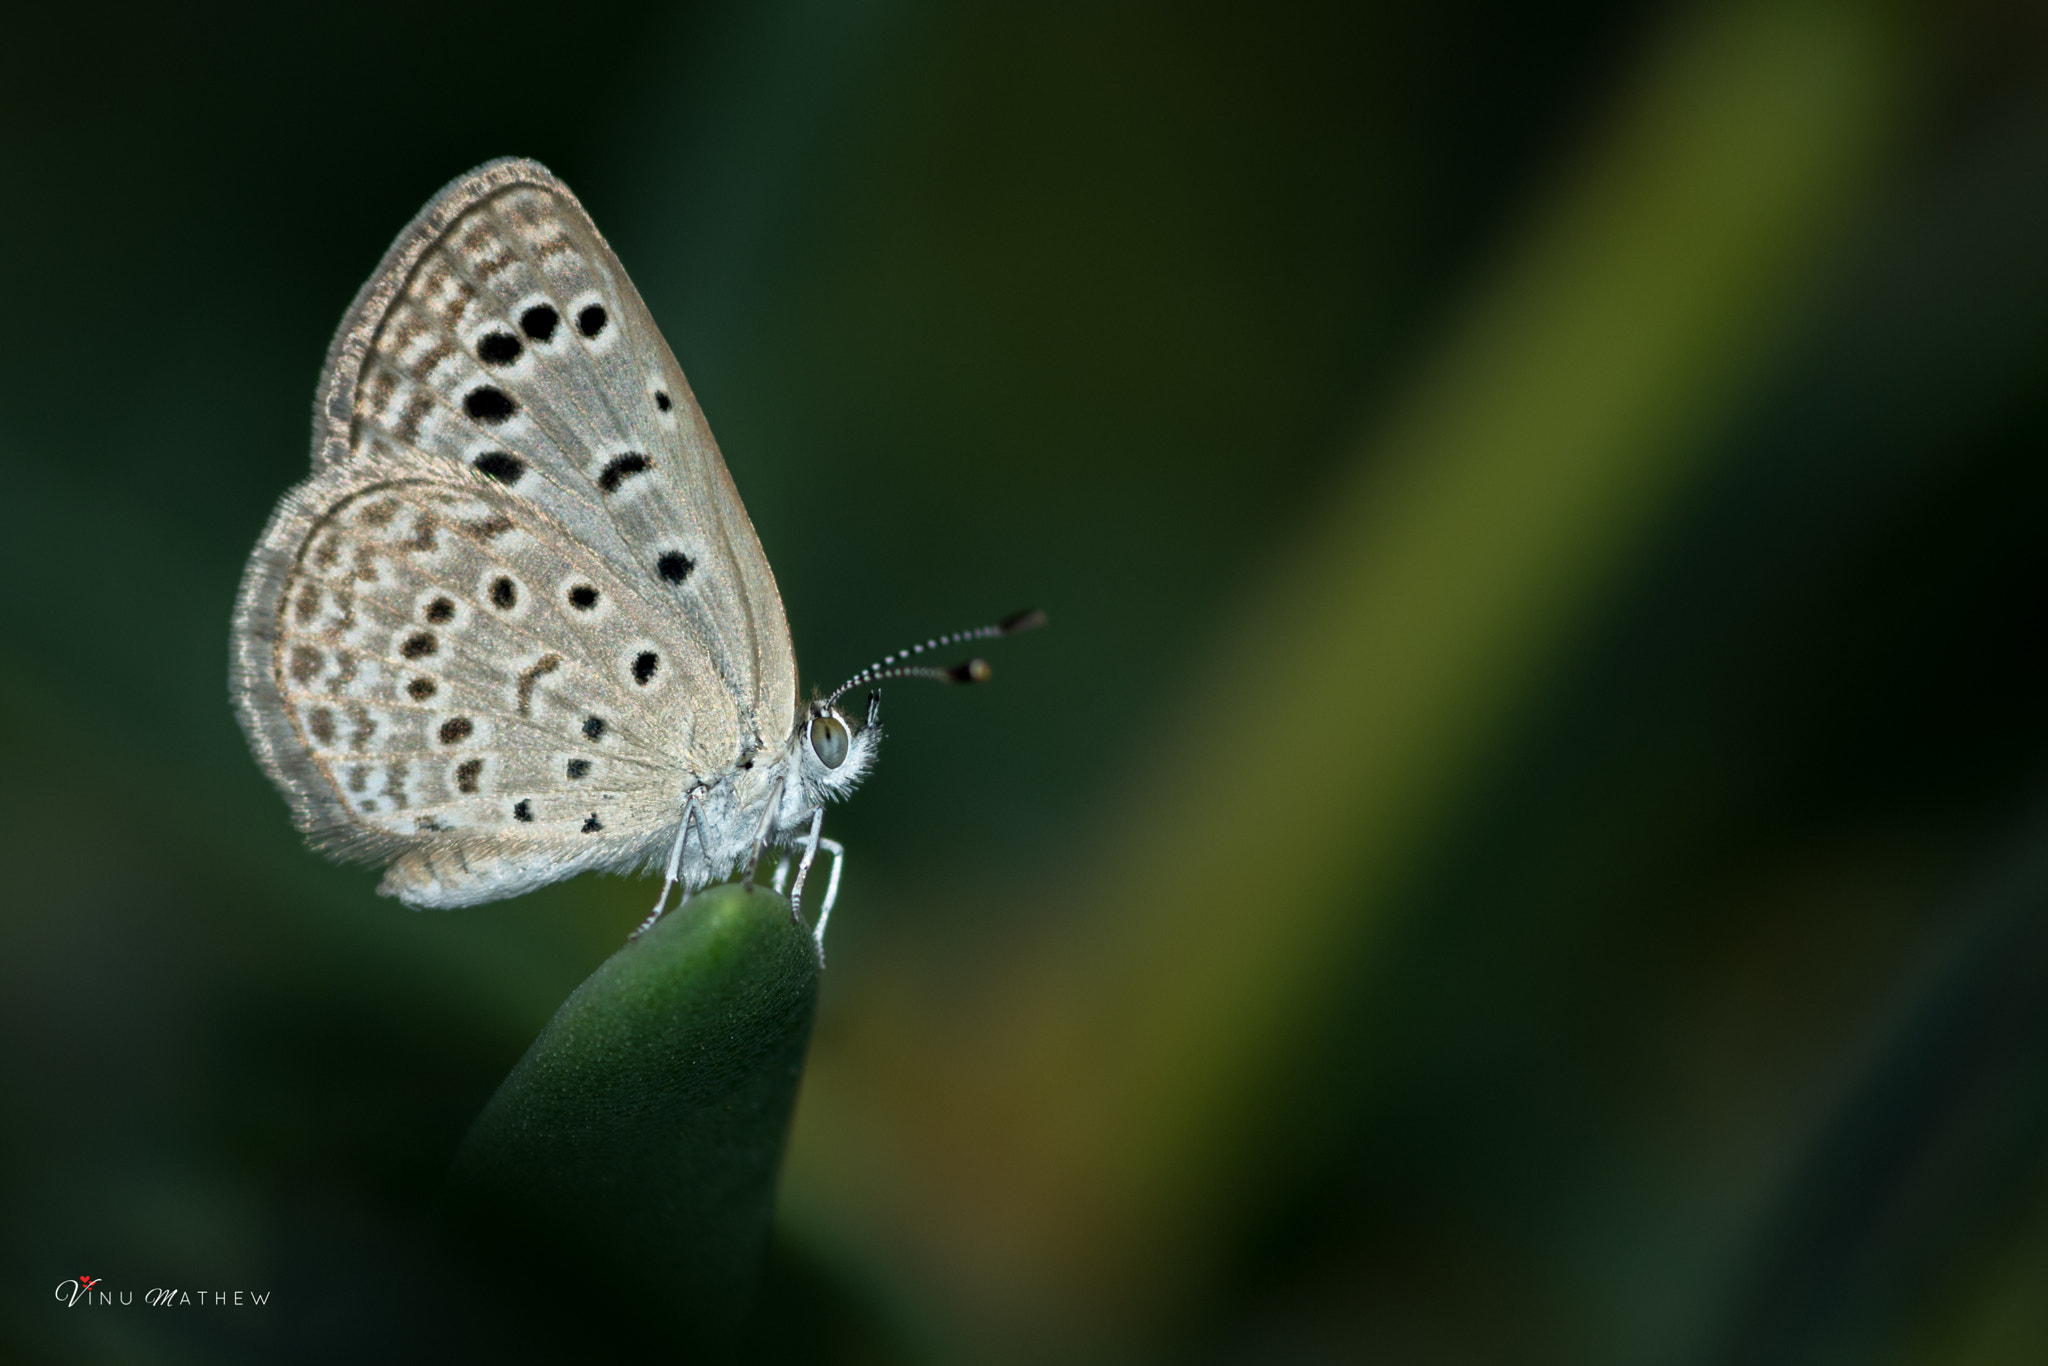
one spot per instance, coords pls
(971, 671)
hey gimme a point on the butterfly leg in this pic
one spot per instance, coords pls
(781, 874)
(803, 867)
(838, 853)
(675, 858)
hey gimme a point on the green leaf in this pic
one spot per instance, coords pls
(632, 1154)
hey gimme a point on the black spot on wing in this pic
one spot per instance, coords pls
(467, 775)
(489, 404)
(440, 611)
(419, 645)
(523, 810)
(592, 319)
(456, 729)
(644, 666)
(506, 469)
(621, 468)
(661, 400)
(539, 322)
(674, 566)
(498, 348)
(504, 593)
(579, 768)
(583, 597)
(593, 825)
(593, 728)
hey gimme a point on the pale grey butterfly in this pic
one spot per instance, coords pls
(516, 624)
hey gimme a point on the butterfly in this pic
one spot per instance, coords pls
(516, 623)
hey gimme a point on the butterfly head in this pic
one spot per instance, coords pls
(833, 756)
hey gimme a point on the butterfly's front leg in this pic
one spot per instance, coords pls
(838, 853)
(803, 863)
(803, 867)
(812, 845)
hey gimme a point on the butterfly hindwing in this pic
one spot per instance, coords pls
(433, 673)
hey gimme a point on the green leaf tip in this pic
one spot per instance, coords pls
(633, 1152)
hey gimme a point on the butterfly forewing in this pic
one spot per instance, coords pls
(514, 343)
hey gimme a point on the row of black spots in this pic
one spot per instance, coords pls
(582, 597)
(502, 466)
(440, 611)
(644, 665)
(489, 404)
(620, 468)
(456, 729)
(674, 566)
(539, 323)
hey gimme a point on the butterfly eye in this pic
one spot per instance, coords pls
(828, 741)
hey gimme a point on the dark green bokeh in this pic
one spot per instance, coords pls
(1696, 1020)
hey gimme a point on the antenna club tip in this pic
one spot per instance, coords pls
(1029, 619)
(973, 671)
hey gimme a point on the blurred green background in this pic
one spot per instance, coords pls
(1526, 839)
